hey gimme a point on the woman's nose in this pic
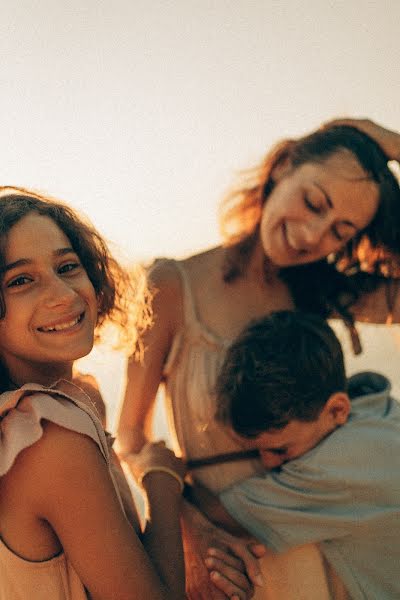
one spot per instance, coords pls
(310, 234)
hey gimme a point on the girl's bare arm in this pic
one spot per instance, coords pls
(70, 487)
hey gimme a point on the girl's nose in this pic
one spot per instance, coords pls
(58, 293)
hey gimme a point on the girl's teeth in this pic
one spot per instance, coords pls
(61, 326)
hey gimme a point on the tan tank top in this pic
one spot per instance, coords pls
(21, 412)
(190, 375)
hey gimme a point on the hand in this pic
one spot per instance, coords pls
(154, 454)
(230, 560)
(388, 140)
(228, 571)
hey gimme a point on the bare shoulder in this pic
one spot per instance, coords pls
(57, 448)
(166, 297)
(205, 264)
(51, 460)
(165, 281)
(163, 275)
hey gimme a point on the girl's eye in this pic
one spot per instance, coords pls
(311, 206)
(18, 281)
(68, 267)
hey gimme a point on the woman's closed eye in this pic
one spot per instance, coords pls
(313, 206)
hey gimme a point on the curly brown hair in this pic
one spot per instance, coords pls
(123, 298)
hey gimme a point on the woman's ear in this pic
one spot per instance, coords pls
(338, 407)
(281, 168)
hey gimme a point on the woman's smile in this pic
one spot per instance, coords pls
(314, 210)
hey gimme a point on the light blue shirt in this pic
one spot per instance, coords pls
(344, 494)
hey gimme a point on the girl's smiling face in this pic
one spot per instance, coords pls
(315, 209)
(51, 305)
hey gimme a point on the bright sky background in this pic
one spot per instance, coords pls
(139, 112)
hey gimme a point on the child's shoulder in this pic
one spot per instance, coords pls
(24, 413)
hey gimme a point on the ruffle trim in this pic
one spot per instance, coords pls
(65, 404)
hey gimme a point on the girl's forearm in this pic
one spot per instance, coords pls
(162, 536)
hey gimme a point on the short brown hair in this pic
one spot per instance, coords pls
(282, 367)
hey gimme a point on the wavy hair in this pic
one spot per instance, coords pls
(375, 249)
(123, 297)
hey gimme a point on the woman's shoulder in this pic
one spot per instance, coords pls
(167, 273)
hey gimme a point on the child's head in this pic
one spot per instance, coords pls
(59, 282)
(283, 385)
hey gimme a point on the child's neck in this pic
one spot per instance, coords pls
(44, 375)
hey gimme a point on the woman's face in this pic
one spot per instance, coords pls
(51, 305)
(315, 209)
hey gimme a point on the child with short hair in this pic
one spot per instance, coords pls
(331, 448)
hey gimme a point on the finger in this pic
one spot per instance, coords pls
(227, 557)
(258, 550)
(250, 562)
(228, 587)
(238, 578)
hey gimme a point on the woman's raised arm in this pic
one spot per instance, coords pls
(387, 139)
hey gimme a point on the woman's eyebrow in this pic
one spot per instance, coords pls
(21, 262)
(330, 204)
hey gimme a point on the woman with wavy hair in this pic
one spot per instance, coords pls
(316, 226)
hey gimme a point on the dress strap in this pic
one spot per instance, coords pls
(190, 313)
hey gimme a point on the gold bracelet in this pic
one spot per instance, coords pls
(161, 469)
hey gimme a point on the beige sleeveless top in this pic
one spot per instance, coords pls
(21, 412)
(190, 375)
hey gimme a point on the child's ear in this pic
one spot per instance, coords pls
(338, 408)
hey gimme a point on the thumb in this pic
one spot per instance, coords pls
(258, 550)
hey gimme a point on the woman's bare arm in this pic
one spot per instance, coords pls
(143, 378)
